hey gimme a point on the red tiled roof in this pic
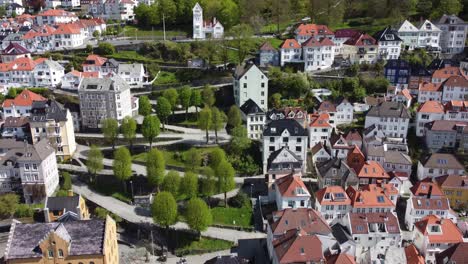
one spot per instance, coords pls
(430, 87)
(361, 40)
(340, 259)
(289, 185)
(96, 59)
(267, 47)
(370, 196)
(67, 29)
(449, 231)
(312, 42)
(319, 120)
(360, 222)
(16, 121)
(337, 196)
(456, 81)
(424, 203)
(446, 72)
(290, 44)
(406, 93)
(312, 30)
(431, 107)
(421, 188)
(372, 169)
(452, 181)
(457, 253)
(90, 74)
(353, 135)
(306, 219)
(295, 246)
(56, 12)
(25, 98)
(413, 256)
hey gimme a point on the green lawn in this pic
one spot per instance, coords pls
(231, 216)
(273, 27)
(130, 32)
(166, 78)
(204, 245)
(129, 55)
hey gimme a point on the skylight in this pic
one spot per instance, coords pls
(441, 161)
(339, 195)
(359, 228)
(389, 37)
(380, 199)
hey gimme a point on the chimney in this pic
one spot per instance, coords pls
(430, 192)
(70, 193)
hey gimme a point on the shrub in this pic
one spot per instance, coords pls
(240, 200)
(24, 210)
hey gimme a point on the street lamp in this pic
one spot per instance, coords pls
(131, 186)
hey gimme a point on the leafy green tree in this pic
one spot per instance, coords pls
(155, 167)
(164, 209)
(95, 161)
(105, 48)
(96, 34)
(12, 93)
(122, 165)
(89, 48)
(208, 183)
(192, 159)
(129, 126)
(67, 182)
(359, 93)
(196, 99)
(163, 109)
(424, 7)
(144, 106)
(309, 101)
(242, 40)
(198, 215)
(204, 121)
(8, 204)
(216, 156)
(234, 117)
(275, 101)
(447, 7)
(110, 129)
(189, 185)
(171, 183)
(208, 96)
(185, 95)
(225, 174)
(167, 9)
(239, 140)
(171, 95)
(150, 128)
(3, 11)
(217, 121)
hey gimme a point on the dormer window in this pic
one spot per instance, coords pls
(60, 253)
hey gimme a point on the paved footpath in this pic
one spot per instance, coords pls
(128, 213)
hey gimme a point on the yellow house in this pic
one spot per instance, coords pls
(70, 207)
(50, 120)
(71, 242)
(455, 189)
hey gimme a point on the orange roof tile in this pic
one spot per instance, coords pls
(25, 98)
(446, 72)
(431, 107)
(445, 232)
(95, 59)
(22, 64)
(421, 188)
(90, 74)
(372, 169)
(67, 29)
(56, 12)
(456, 81)
(430, 87)
(290, 186)
(341, 258)
(406, 93)
(369, 195)
(332, 195)
(312, 30)
(413, 256)
(319, 120)
(312, 42)
(295, 246)
(290, 44)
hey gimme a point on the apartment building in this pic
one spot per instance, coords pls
(255, 119)
(392, 118)
(389, 44)
(51, 121)
(332, 202)
(438, 164)
(65, 208)
(21, 105)
(249, 82)
(30, 168)
(455, 188)
(453, 36)
(102, 98)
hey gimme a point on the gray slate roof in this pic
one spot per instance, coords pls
(276, 128)
(69, 203)
(250, 107)
(47, 110)
(397, 157)
(134, 68)
(114, 83)
(87, 238)
(389, 109)
(442, 160)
